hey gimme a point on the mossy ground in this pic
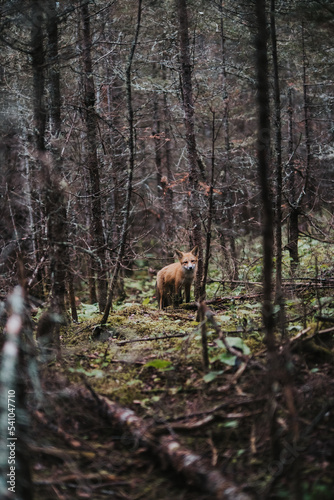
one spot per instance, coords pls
(164, 382)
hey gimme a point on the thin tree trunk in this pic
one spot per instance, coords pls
(293, 230)
(286, 379)
(54, 73)
(306, 122)
(263, 151)
(156, 132)
(52, 198)
(125, 224)
(295, 203)
(92, 160)
(226, 121)
(38, 66)
(263, 148)
(189, 122)
(278, 146)
(168, 192)
(58, 221)
(210, 210)
(62, 259)
(233, 270)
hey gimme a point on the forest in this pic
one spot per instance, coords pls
(133, 132)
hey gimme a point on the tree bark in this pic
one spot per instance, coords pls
(189, 122)
(168, 179)
(53, 196)
(210, 211)
(226, 198)
(263, 152)
(306, 122)
(293, 229)
(58, 234)
(38, 67)
(53, 63)
(92, 159)
(278, 146)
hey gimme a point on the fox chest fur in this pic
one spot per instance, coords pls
(172, 279)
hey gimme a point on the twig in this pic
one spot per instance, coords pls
(235, 352)
(221, 406)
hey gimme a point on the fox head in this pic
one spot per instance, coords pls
(188, 260)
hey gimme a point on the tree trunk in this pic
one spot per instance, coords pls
(293, 229)
(126, 211)
(58, 234)
(38, 68)
(189, 122)
(210, 210)
(156, 133)
(62, 258)
(278, 146)
(227, 200)
(263, 152)
(52, 196)
(53, 63)
(226, 121)
(92, 160)
(305, 190)
(167, 181)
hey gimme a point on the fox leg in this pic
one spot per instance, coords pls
(187, 287)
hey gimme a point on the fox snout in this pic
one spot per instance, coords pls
(189, 267)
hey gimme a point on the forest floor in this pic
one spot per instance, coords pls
(150, 362)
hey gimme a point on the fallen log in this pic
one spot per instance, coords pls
(167, 449)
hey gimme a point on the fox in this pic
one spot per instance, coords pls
(173, 278)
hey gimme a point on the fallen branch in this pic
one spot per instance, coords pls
(327, 330)
(168, 449)
(41, 418)
(190, 425)
(110, 478)
(325, 319)
(303, 337)
(148, 339)
(219, 301)
(302, 282)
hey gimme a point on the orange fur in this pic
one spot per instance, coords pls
(173, 278)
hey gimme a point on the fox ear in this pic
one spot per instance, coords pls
(195, 251)
(179, 254)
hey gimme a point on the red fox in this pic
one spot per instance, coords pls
(171, 279)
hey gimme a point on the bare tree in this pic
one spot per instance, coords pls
(263, 149)
(278, 148)
(53, 195)
(189, 122)
(131, 166)
(92, 159)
